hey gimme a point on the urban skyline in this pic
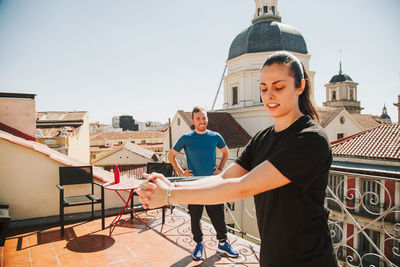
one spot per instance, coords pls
(150, 59)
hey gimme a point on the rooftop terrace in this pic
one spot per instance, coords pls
(131, 244)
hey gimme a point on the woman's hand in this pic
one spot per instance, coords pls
(153, 193)
(155, 175)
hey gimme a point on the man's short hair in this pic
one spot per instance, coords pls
(198, 109)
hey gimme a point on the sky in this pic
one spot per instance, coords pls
(149, 59)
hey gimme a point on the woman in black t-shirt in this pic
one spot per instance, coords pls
(285, 167)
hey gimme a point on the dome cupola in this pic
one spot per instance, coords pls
(341, 92)
(341, 77)
(267, 33)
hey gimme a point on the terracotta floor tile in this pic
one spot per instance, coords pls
(45, 261)
(133, 262)
(40, 251)
(13, 252)
(98, 259)
(71, 258)
(131, 244)
(16, 260)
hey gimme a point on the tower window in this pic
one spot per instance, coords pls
(265, 9)
(258, 11)
(333, 95)
(234, 95)
(351, 94)
(339, 135)
(273, 10)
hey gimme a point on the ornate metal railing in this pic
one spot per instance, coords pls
(364, 220)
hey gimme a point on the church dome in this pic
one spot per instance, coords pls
(340, 78)
(384, 115)
(267, 35)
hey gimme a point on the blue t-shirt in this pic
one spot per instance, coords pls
(200, 150)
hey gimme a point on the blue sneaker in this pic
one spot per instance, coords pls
(198, 251)
(228, 250)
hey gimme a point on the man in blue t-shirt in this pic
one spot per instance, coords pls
(200, 149)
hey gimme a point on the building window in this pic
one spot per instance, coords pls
(336, 184)
(143, 141)
(265, 9)
(273, 10)
(333, 95)
(133, 141)
(351, 94)
(119, 142)
(396, 255)
(258, 11)
(371, 191)
(342, 120)
(234, 95)
(336, 228)
(50, 141)
(339, 135)
(364, 247)
(178, 121)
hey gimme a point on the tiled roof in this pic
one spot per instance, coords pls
(128, 135)
(98, 173)
(327, 114)
(187, 117)
(224, 124)
(61, 115)
(382, 142)
(132, 148)
(54, 131)
(366, 121)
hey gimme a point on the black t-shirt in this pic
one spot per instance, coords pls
(292, 219)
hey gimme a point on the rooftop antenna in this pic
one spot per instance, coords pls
(219, 87)
(340, 61)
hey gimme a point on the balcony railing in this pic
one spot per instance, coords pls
(364, 219)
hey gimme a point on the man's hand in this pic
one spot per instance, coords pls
(216, 171)
(187, 173)
(153, 193)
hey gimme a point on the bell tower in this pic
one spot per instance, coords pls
(266, 10)
(398, 108)
(341, 91)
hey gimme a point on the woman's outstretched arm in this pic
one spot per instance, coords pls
(234, 170)
(217, 190)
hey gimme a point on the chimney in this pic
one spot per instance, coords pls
(398, 108)
(18, 114)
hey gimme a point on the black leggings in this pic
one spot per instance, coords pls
(216, 214)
